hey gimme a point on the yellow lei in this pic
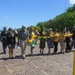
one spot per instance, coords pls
(62, 36)
(56, 37)
(33, 37)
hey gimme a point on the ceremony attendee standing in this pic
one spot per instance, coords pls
(62, 41)
(4, 39)
(73, 38)
(32, 38)
(56, 40)
(68, 40)
(23, 37)
(50, 40)
(42, 40)
(11, 42)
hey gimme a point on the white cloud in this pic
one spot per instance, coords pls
(5, 17)
(72, 1)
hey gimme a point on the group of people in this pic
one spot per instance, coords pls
(65, 37)
(30, 37)
(8, 39)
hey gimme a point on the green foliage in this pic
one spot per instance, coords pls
(66, 19)
(41, 24)
(71, 9)
(18, 29)
(30, 27)
(37, 28)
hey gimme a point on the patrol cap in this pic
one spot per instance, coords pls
(23, 26)
(10, 29)
(4, 27)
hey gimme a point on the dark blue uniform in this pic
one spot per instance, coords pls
(4, 40)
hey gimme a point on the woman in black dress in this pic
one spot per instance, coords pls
(42, 40)
(11, 42)
(50, 40)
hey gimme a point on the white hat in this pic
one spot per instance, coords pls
(50, 28)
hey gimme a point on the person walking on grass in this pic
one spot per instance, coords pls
(11, 42)
(23, 38)
(32, 38)
(55, 40)
(42, 40)
(4, 39)
(62, 38)
(50, 40)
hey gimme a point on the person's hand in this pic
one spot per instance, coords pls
(16, 32)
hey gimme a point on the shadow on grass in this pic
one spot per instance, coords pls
(30, 55)
(6, 58)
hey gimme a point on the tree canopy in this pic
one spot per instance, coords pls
(61, 21)
(66, 19)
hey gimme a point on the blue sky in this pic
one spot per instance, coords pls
(15, 13)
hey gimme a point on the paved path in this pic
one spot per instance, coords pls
(59, 64)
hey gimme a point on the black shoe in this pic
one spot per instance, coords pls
(66, 51)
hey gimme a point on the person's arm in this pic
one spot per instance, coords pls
(1, 36)
(27, 35)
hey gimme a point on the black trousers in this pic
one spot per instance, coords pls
(73, 43)
(68, 43)
(55, 46)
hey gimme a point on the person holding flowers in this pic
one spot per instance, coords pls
(62, 41)
(56, 40)
(42, 40)
(32, 40)
(50, 40)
